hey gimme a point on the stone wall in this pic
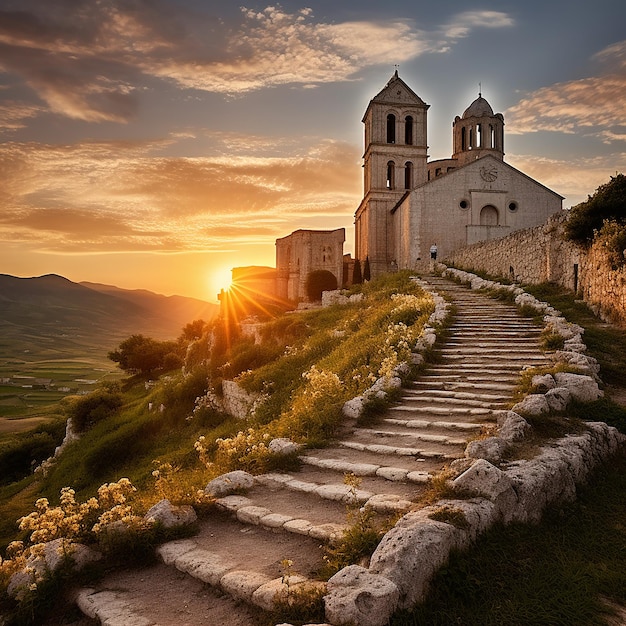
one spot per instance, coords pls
(541, 254)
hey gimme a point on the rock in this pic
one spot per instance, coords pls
(354, 408)
(492, 449)
(583, 388)
(283, 446)
(229, 483)
(411, 552)
(541, 383)
(558, 399)
(54, 555)
(170, 516)
(513, 427)
(484, 479)
(532, 404)
(356, 596)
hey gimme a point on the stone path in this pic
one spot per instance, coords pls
(236, 562)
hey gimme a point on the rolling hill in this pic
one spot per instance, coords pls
(53, 314)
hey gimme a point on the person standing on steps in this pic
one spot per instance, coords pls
(433, 256)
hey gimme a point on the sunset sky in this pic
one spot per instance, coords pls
(158, 143)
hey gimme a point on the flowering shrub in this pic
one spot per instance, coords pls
(70, 521)
(247, 450)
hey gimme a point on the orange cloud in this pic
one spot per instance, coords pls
(121, 196)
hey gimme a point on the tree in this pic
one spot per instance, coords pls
(144, 355)
(194, 330)
(357, 277)
(366, 269)
(607, 203)
(318, 281)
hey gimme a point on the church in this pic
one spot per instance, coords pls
(411, 203)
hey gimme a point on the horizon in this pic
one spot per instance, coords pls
(158, 147)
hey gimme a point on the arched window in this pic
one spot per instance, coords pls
(471, 137)
(489, 216)
(391, 128)
(479, 135)
(391, 172)
(408, 175)
(463, 138)
(408, 130)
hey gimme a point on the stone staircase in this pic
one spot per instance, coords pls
(237, 562)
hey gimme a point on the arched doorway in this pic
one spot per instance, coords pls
(489, 216)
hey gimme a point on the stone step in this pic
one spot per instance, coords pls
(368, 469)
(386, 459)
(426, 451)
(467, 383)
(443, 403)
(468, 427)
(459, 396)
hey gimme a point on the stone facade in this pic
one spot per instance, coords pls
(305, 251)
(542, 254)
(410, 203)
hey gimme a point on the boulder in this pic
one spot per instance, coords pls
(229, 483)
(558, 399)
(492, 449)
(357, 596)
(283, 446)
(583, 388)
(543, 382)
(171, 516)
(513, 427)
(532, 404)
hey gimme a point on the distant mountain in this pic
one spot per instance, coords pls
(51, 312)
(179, 309)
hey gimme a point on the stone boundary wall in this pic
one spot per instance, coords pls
(541, 254)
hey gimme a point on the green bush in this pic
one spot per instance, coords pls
(86, 411)
(607, 203)
(22, 453)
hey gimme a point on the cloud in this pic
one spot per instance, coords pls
(89, 61)
(462, 24)
(123, 196)
(594, 105)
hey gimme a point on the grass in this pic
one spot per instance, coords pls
(557, 573)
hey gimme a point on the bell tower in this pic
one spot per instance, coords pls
(478, 132)
(394, 162)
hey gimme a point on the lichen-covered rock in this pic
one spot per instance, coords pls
(171, 516)
(357, 596)
(283, 446)
(542, 382)
(491, 449)
(558, 398)
(583, 388)
(229, 483)
(513, 427)
(411, 552)
(532, 404)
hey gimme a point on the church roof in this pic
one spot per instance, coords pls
(396, 92)
(479, 108)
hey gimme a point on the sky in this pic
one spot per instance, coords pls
(156, 144)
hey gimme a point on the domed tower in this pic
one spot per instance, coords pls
(478, 132)
(394, 163)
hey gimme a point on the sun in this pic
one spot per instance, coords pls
(221, 278)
